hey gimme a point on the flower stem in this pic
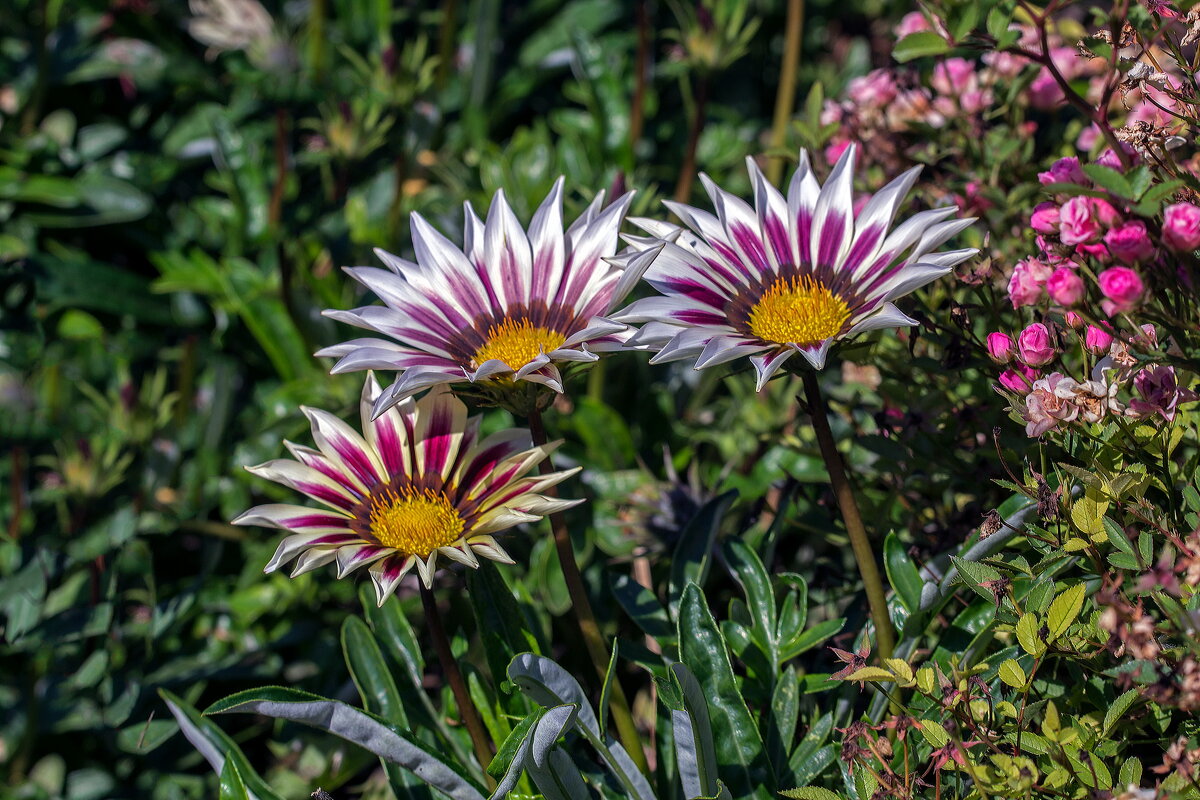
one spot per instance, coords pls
(884, 635)
(786, 96)
(462, 698)
(597, 651)
(687, 170)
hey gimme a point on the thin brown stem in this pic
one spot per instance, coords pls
(17, 491)
(687, 170)
(859, 541)
(637, 111)
(785, 97)
(462, 698)
(592, 638)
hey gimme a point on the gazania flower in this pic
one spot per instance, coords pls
(420, 484)
(509, 306)
(788, 276)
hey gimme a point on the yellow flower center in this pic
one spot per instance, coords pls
(414, 522)
(516, 343)
(798, 311)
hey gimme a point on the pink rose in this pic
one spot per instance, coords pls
(1027, 281)
(1122, 287)
(1034, 345)
(1097, 340)
(1105, 213)
(1130, 242)
(1158, 392)
(875, 89)
(1000, 347)
(1065, 170)
(1065, 287)
(952, 75)
(1079, 222)
(1045, 218)
(1181, 226)
(1018, 379)
(1045, 93)
(1074, 321)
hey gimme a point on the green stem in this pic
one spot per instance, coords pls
(859, 541)
(462, 698)
(598, 652)
(785, 97)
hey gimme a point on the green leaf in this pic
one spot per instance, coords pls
(748, 570)
(811, 638)
(359, 727)
(1110, 179)
(1117, 710)
(499, 619)
(740, 750)
(1064, 610)
(215, 745)
(693, 551)
(1011, 673)
(231, 786)
(902, 573)
(1088, 516)
(644, 609)
(811, 793)
(509, 760)
(919, 45)
(781, 722)
(606, 690)
(691, 728)
(1028, 635)
(1130, 773)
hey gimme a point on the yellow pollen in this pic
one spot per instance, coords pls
(516, 343)
(414, 522)
(798, 311)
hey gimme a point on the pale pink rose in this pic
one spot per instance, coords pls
(1045, 93)
(1096, 398)
(1097, 340)
(1005, 65)
(952, 75)
(1065, 287)
(876, 88)
(1035, 346)
(1181, 226)
(1049, 403)
(1045, 218)
(1088, 138)
(1130, 242)
(1105, 213)
(1000, 347)
(973, 101)
(1027, 282)
(1065, 170)
(1079, 224)
(1122, 287)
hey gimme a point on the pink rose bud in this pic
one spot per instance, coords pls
(1095, 250)
(1078, 221)
(1000, 347)
(1109, 158)
(1035, 346)
(1097, 340)
(1122, 286)
(950, 76)
(1074, 321)
(1065, 170)
(1065, 287)
(1018, 379)
(1181, 227)
(1105, 213)
(1045, 218)
(912, 22)
(1130, 243)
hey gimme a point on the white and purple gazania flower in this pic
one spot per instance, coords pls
(511, 305)
(789, 276)
(420, 483)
